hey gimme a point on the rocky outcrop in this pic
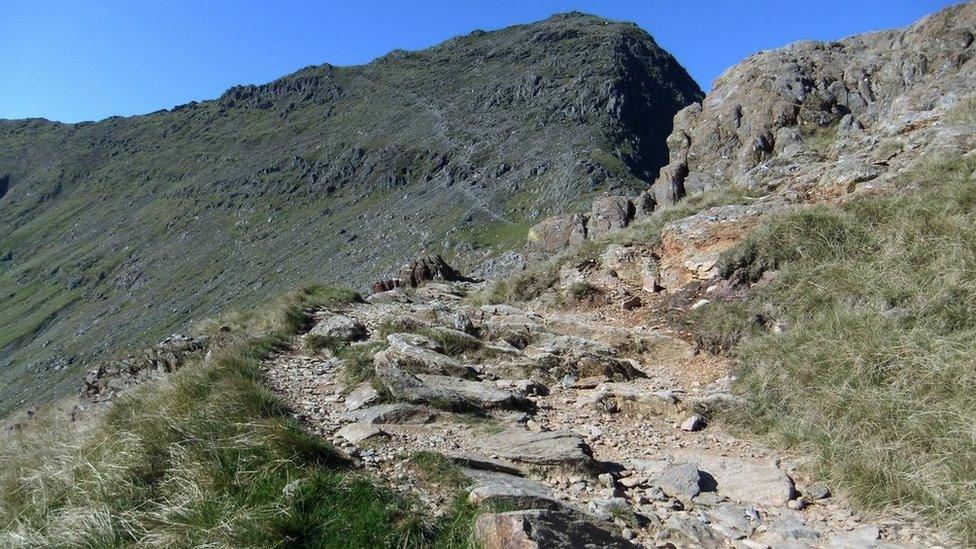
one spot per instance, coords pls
(555, 234)
(417, 273)
(859, 92)
(691, 247)
(110, 378)
(810, 122)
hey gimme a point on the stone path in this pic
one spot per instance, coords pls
(586, 427)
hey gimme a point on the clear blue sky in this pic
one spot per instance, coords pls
(70, 60)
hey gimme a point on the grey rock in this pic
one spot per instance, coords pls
(544, 529)
(864, 537)
(363, 395)
(405, 343)
(513, 492)
(390, 413)
(421, 358)
(462, 322)
(693, 423)
(476, 394)
(341, 327)
(754, 481)
(552, 448)
(531, 387)
(608, 507)
(685, 530)
(731, 521)
(359, 432)
(791, 527)
(681, 481)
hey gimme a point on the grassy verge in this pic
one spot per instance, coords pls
(873, 370)
(206, 457)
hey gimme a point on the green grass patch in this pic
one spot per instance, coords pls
(874, 371)
(500, 235)
(436, 468)
(359, 367)
(205, 457)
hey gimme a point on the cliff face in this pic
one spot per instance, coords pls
(867, 105)
(125, 229)
(810, 122)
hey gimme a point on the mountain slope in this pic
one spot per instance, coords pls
(123, 229)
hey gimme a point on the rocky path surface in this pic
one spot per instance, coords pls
(576, 428)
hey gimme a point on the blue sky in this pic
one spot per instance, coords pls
(70, 60)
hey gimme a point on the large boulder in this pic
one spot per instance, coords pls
(393, 413)
(418, 354)
(746, 480)
(510, 491)
(610, 213)
(405, 383)
(340, 327)
(553, 235)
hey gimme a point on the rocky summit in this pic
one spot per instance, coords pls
(748, 326)
(117, 232)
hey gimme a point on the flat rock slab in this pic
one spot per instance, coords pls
(541, 528)
(732, 521)
(479, 394)
(404, 342)
(755, 481)
(359, 432)
(483, 463)
(390, 413)
(553, 448)
(688, 531)
(362, 395)
(789, 528)
(395, 295)
(421, 360)
(513, 492)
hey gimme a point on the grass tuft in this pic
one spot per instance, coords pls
(874, 370)
(205, 457)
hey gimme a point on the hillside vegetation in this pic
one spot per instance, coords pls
(206, 457)
(118, 232)
(872, 370)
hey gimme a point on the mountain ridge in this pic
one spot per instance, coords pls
(140, 223)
